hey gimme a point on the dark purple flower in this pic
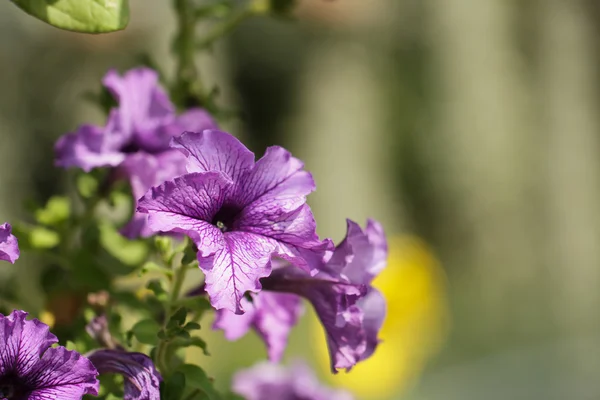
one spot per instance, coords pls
(272, 315)
(31, 369)
(351, 311)
(142, 380)
(140, 127)
(238, 212)
(9, 247)
(268, 381)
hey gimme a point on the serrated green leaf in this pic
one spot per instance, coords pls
(196, 378)
(88, 16)
(146, 331)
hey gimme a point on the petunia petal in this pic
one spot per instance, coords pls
(272, 315)
(294, 236)
(9, 246)
(266, 381)
(22, 342)
(143, 104)
(212, 150)
(236, 268)
(62, 374)
(142, 380)
(92, 146)
(374, 309)
(335, 303)
(362, 255)
(276, 180)
(144, 170)
(186, 205)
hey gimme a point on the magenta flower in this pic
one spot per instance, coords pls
(140, 128)
(238, 212)
(9, 247)
(142, 380)
(351, 311)
(31, 369)
(267, 381)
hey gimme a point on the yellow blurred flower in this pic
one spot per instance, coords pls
(47, 318)
(413, 284)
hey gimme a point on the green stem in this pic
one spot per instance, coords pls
(187, 88)
(227, 26)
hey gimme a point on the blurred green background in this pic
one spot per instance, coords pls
(472, 125)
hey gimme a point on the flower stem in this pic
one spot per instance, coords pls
(188, 90)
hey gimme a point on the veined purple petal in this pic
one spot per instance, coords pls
(236, 269)
(142, 380)
(143, 171)
(374, 309)
(266, 381)
(92, 146)
(362, 255)
(271, 315)
(185, 204)
(336, 304)
(30, 369)
(143, 104)
(276, 178)
(213, 150)
(9, 246)
(63, 374)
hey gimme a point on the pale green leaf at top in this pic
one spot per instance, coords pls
(88, 16)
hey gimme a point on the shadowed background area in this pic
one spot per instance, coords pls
(469, 128)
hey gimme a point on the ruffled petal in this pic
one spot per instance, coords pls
(92, 146)
(362, 255)
(295, 238)
(213, 150)
(266, 381)
(336, 304)
(186, 205)
(143, 104)
(22, 342)
(144, 170)
(62, 374)
(272, 315)
(374, 310)
(236, 268)
(142, 380)
(277, 183)
(9, 246)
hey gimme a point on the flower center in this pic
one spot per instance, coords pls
(13, 388)
(225, 218)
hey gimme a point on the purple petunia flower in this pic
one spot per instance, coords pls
(266, 381)
(238, 212)
(31, 369)
(142, 380)
(9, 247)
(136, 136)
(351, 311)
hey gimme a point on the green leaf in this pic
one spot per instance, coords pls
(192, 341)
(146, 331)
(129, 252)
(196, 378)
(88, 16)
(178, 317)
(156, 286)
(43, 238)
(56, 211)
(87, 185)
(174, 387)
